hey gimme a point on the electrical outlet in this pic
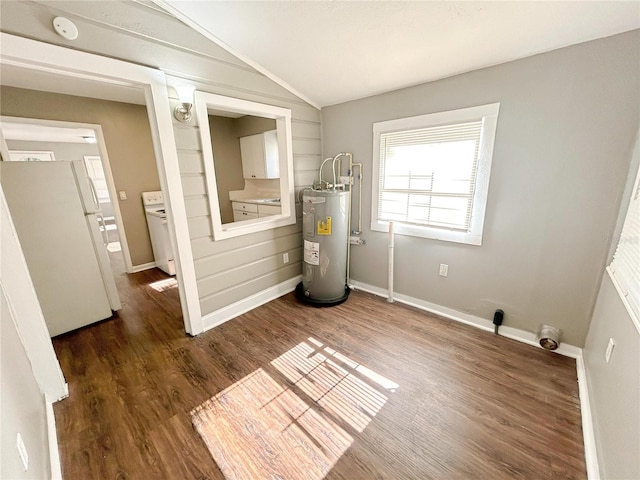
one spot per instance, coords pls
(122, 194)
(22, 451)
(609, 352)
(285, 257)
(444, 270)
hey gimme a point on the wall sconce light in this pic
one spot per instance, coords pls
(182, 111)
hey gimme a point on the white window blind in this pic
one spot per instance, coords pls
(428, 175)
(625, 267)
(431, 173)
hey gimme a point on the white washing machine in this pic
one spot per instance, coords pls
(159, 231)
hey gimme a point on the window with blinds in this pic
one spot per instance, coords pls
(432, 173)
(625, 267)
(95, 172)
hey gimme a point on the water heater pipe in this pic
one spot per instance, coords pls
(320, 171)
(391, 247)
(351, 167)
(348, 220)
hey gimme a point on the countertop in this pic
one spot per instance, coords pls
(259, 201)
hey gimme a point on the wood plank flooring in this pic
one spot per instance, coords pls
(364, 390)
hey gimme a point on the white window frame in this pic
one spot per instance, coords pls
(624, 270)
(489, 115)
(97, 177)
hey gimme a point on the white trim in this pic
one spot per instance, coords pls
(52, 437)
(142, 267)
(588, 431)
(206, 33)
(203, 102)
(482, 323)
(229, 312)
(591, 457)
(32, 55)
(489, 114)
(41, 155)
(623, 296)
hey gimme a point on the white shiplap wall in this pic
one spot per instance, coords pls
(228, 271)
(140, 32)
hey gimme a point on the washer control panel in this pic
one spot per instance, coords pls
(152, 198)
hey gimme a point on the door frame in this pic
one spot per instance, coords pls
(106, 165)
(43, 57)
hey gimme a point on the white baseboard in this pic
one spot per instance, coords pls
(142, 267)
(225, 314)
(591, 457)
(482, 323)
(588, 432)
(54, 453)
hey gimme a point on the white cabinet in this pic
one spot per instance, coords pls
(244, 211)
(260, 155)
(247, 210)
(266, 210)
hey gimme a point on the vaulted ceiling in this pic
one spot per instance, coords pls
(334, 51)
(326, 52)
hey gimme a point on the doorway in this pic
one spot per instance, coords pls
(30, 139)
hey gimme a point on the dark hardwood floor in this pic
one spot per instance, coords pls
(364, 390)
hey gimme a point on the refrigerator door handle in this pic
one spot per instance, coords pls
(94, 196)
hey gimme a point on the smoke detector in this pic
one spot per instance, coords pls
(65, 28)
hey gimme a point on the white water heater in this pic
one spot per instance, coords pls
(325, 217)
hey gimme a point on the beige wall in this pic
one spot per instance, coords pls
(227, 160)
(564, 137)
(129, 146)
(250, 125)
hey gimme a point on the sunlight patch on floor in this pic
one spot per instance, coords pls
(162, 285)
(258, 428)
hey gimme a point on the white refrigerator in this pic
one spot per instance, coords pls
(56, 213)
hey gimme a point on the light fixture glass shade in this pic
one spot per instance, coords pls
(185, 93)
(182, 111)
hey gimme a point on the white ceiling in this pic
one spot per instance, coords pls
(334, 51)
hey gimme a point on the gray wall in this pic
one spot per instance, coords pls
(22, 407)
(614, 389)
(565, 132)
